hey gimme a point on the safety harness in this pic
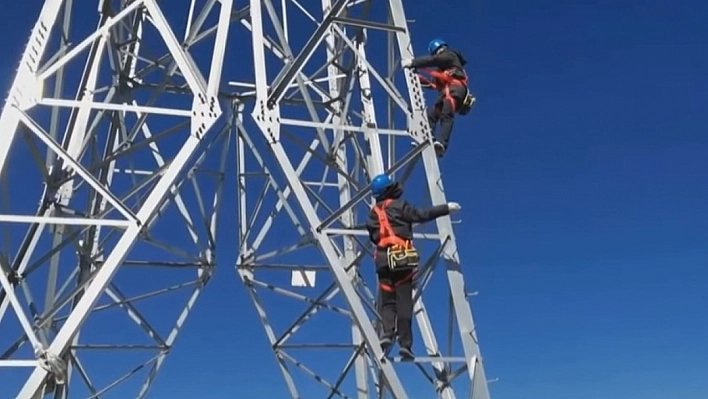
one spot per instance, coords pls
(400, 253)
(392, 287)
(387, 237)
(446, 79)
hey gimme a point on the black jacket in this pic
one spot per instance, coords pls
(447, 59)
(401, 216)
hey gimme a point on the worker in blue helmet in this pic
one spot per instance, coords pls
(449, 78)
(390, 226)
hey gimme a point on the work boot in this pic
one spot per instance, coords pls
(406, 353)
(386, 343)
(439, 149)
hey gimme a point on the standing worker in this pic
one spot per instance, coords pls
(390, 225)
(450, 80)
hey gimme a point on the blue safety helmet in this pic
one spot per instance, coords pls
(380, 183)
(435, 45)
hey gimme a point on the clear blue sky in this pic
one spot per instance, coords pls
(583, 175)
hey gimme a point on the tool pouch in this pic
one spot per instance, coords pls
(402, 258)
(467, 104)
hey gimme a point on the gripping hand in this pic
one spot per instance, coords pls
(453, 207)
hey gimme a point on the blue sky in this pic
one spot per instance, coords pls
(582, 176)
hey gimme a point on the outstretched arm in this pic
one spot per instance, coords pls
(443, 60)
(411, 214)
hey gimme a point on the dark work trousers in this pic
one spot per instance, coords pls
(444, 110)
(396, 305)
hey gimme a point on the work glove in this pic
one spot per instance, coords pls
(453, 207)
(406, 63)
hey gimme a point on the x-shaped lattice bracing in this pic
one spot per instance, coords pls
(334, 117)
(107, 193)
(334, 109)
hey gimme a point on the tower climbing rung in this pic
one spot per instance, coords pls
(429, 359)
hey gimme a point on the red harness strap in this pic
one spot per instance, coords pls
(444, 79)
(388, 238)
(392, 288)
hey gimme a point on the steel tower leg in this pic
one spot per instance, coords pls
(320, 74)
(129, 118)
(130, 182)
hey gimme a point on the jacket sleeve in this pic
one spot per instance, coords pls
(411, 214)
(444, 60)
(372, 225)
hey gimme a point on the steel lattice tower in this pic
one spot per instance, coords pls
(119, 147)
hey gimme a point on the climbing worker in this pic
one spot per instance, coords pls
(450, 80)
(390, 226)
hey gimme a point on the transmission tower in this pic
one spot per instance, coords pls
(118, 144)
